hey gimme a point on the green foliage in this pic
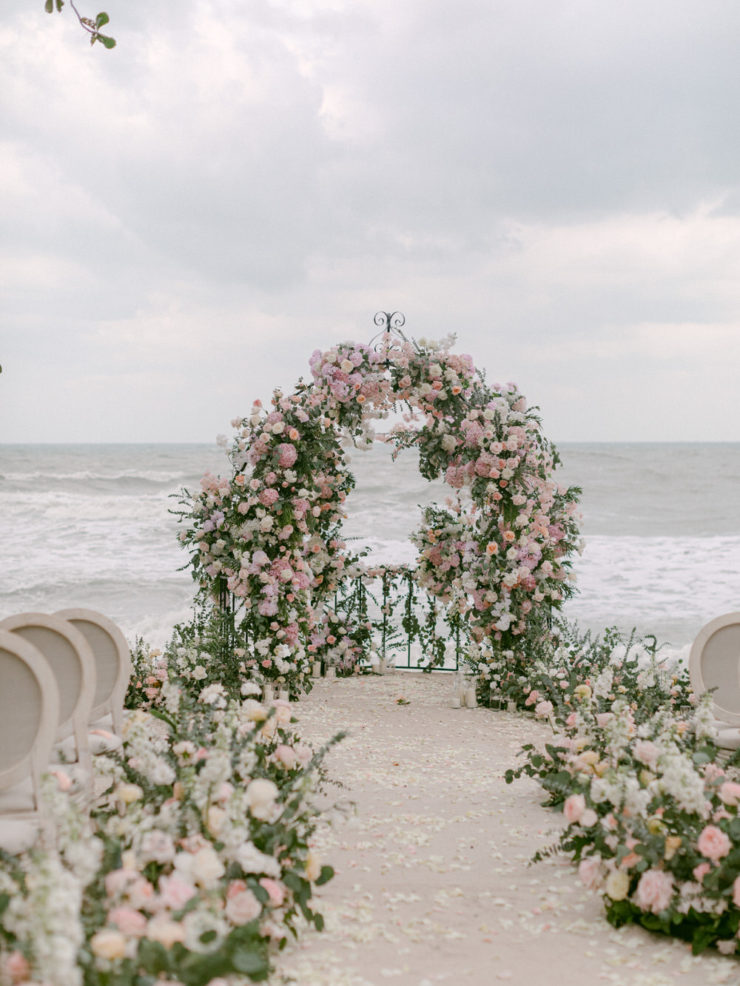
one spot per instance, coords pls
(90, 25)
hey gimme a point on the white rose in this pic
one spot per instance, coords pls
(278, 428)
(617, 885)
(261, 795)
(207, 868)
(165, 931)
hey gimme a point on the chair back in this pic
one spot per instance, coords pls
(29, 711)
(73, 665)
(714, 663)
(112, 661)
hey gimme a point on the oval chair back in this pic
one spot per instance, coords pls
(73, 666)
(714, 663)
(112, 662)
(29, 712)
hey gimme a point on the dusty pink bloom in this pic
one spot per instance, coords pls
(574, 807)
(646, 752)
(275, 890)
(268, 497)
(532, 697)
(286, 455)
(16, 966)
(543, 709)
(286, 756)
(729, 792)
(589, 871)
(242, 907)
(701, 871)
(713, 843)
(128, 920)
(654, 891)
(174, 892)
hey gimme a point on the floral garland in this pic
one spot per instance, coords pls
(270, 535)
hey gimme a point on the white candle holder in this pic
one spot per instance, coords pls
(316, 669)
(268, 693)
(284, 695)
(382, 665)
(331, 671)
(471, 702)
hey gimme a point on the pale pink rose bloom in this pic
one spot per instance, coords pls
(573, 808)
(532, 697)
(701, 871)
(571, 720)
(16, 966)
(588, 818)
(165, 931)
(729, 792)
(589, 871)
(141, 894)
(174, 892)
(654, 891)
(129, 921)
(286, 756)
(604, 718)
(543, 709)
(736, 892)
(117, 880)
(713, 843)
(646, 752)
(275, 890)
(243, 907)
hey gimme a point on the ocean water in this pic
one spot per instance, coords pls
(90, 525)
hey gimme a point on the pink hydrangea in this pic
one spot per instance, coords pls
(286, 455)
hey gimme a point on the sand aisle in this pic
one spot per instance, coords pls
(432, 881)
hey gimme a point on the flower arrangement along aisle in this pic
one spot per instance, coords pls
(267, 538)
(651, 818)
(195, 864)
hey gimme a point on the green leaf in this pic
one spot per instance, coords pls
(49, 6)
(107, 42)
(101, 19)
(251, 963)
(327, 872)
(318, 920)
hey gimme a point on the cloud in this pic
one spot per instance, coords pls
(190, 215)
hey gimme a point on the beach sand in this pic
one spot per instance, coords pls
(433, 883)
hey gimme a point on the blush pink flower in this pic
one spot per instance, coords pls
(128, 920)
(286, 455)
(174, 892)
(590, 872)
(275, 890)
(654, 891)
(574, 807)
(243, 907)
(713, 843)
(701, 871)
(729, 792)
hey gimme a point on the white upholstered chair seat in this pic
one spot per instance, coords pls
(18, 799)
(714, 665)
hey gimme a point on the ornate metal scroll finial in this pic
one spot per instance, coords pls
(390, 321)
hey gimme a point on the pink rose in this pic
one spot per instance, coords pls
(286, 756)
(701, 871)
(646, 752)
(129, 921)
(713, 843)
(654, 891)
(243, 907)
(589, 871)
(574, 807)
(729, 792)
(174, 892)
(543, 709)
(275, 890)
(16, 966)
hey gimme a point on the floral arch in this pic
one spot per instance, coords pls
(496, 554)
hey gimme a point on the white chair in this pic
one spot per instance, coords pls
(73, 665)
(29, 717)
(113, 671)
(714, 663)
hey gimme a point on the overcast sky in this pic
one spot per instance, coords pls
(187, 217)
